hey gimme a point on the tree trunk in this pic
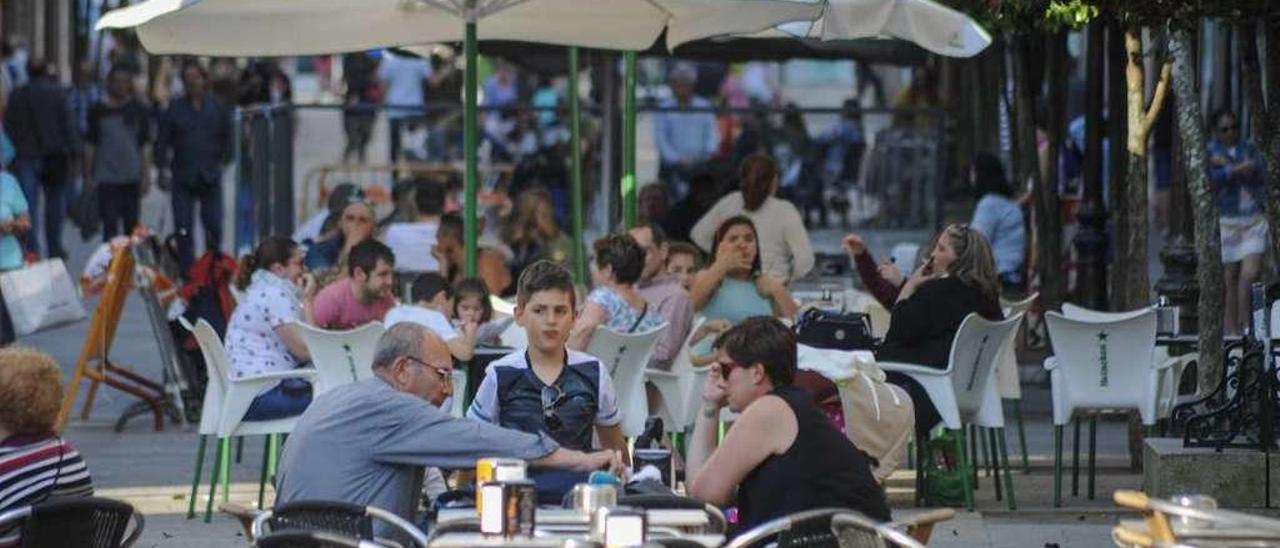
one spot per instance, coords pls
(1048, 211)
(1207, 238)
(1120, 183)
(1133, 281)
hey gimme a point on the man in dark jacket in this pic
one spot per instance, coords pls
(39, 120)
(193, 144)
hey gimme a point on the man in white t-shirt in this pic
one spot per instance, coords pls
(414, 242)
(404, 78)
(431, 308)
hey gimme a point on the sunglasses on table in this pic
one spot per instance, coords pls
(552, 397)
(446, 373)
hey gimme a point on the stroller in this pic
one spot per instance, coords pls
(204, 294)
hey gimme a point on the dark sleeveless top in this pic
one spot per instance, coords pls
(821, 469)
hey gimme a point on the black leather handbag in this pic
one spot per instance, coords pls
(835, 330)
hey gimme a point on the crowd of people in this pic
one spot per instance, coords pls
(730, 258)
(550, 402)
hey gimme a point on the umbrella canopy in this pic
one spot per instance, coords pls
(549, 59)
(310, 27)
(931, 25)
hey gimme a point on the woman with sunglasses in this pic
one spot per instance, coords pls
(1237, 174)
(782, 455)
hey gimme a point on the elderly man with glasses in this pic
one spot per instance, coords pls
(367, 443)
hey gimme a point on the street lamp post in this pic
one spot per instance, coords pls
(1178, 283)
(1091, 241)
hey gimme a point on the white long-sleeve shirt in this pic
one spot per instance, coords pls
(785, 250)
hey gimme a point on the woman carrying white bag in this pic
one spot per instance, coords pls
(14, 220)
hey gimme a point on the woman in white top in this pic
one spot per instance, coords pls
(785, 251)
(260, 337)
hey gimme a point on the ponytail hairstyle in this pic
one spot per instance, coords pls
(756, 175)
(270, 252)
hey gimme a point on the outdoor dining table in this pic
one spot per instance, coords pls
(1211, 536)
(556, 525)
(461, 540)
(561, 518)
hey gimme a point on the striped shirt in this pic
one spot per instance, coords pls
(34, 469)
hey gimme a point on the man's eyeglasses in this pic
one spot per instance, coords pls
(1225, 129)
(446, 373)
(552, 397)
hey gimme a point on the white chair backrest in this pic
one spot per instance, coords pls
(625, 356)
(904, 256)
(1015, 307)
(686, 383)
(514, 336)
(1104, 363)
(1090, 315)
(1275, 320)
(217, 368)
(973, 358)
(502, 306)
(341, 357)
(683, 361)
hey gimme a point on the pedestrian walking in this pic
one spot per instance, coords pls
(192, 146)
(40, 122)
(117, 153)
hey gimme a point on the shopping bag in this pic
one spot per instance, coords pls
(40, 296)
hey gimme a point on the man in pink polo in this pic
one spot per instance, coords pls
(361, 297)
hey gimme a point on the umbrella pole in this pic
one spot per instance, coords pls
(469, 128)
(575, 146)
(629, 140)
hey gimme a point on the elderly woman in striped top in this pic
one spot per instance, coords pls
(35, 463)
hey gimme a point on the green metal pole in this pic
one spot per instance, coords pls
(575, 128)
(629, 140)
(470, 126)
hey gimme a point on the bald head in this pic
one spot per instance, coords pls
(409, 340)
(415, 360)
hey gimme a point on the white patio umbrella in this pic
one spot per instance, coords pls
(310, 27)
(927, 23)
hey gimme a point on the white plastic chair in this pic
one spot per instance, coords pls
(502, 306)
(677, 388)
(1007, 377)
(514, 336)
(625, 355)
(1167, 379)
(459, 388)
(1102, 362)
(904, 257)
(341, 357)
(226, 400)
(966, 393)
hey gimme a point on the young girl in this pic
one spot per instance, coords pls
(471, 304)
(683, 261)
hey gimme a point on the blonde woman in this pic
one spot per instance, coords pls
(958, 279)
(533, 234)
(36, 464)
